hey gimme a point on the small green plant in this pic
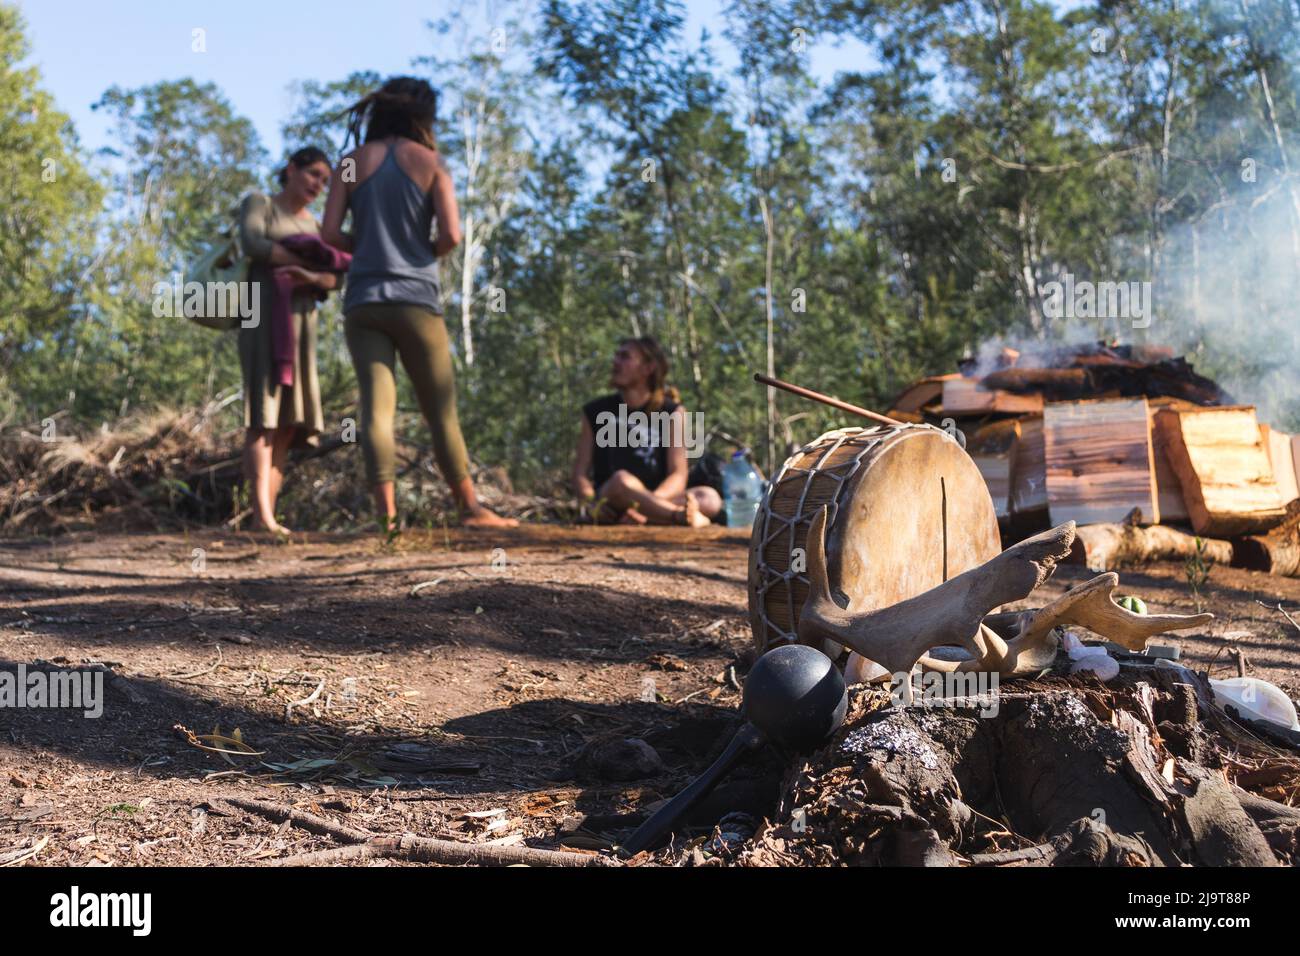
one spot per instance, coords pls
(391, 528)
(1197, 571)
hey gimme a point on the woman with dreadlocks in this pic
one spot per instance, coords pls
(622, 468)
(397, 186)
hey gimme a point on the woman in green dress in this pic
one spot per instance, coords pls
(278, 417)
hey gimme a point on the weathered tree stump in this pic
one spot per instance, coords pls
(1063, 773)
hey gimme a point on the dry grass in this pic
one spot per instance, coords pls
(168, 468)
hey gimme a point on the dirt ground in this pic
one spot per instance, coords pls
(487, 704)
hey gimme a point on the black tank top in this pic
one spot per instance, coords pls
(625, 443)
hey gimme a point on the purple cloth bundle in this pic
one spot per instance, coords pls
(321, 257)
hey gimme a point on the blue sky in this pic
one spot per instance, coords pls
(255, 50)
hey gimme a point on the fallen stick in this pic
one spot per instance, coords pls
(351, 853)
(808, 393)
(448, 852)
(19, 856)
(199, 673)
(1044, 851)
(288, 708)
(300, 818)
(1293, 621)
(407, 847)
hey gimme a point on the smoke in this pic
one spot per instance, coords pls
(1229, 299)
(1226, 296)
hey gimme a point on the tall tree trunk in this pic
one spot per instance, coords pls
(467, 290)
(770, 460)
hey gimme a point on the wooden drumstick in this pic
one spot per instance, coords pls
(824, 399)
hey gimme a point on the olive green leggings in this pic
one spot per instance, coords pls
(377, 333)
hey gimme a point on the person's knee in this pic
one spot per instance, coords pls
(622, 480)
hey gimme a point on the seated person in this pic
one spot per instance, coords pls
(623, 467)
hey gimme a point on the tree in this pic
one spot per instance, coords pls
(47, 201)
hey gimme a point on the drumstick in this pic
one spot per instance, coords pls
(824, 399)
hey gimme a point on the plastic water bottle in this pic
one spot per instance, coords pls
(742, 490)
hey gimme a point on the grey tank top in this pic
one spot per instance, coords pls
(392, 253)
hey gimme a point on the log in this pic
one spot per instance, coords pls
(1224, 469)
(1277, 552)
(1279, 823)
(1099, 461)
(1104, 547)
(1223, 833)
(965, 396)
(1273, 554)
(407, 846)
(1063, 383)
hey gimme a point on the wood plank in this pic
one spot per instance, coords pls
(991, 448)
(1169, 490)
(1223, 466)
(996, 470)
(1278, 445)
(1098, 461)
(918, 395)
(1029, 468)
(963, 396)
(1295, 456)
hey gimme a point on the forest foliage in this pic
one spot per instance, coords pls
(615, 179)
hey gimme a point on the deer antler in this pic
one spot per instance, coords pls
(1087, 605)
(1090, 605)
(896, 637)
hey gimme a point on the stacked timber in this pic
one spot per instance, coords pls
(1029, 470)
(991, 448)
(1098, 461)
(1283, 450)
(1122, 439)
(1169, 490)
(1224, 469)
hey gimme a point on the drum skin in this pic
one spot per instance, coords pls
(889, 488)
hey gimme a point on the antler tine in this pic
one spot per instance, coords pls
(1091, 606)
(896, 637)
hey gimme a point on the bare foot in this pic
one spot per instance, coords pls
(632, 516)
(482, 517)
(692, 516)
(273, 526)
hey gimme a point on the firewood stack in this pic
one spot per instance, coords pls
(1130, 443)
